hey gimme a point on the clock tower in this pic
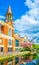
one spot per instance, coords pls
(9, 14)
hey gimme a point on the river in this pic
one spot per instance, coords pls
(25, 60)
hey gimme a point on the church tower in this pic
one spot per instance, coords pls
(10, 28)
(9, 15)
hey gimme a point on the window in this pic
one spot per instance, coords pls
(9, 42)
(1, 49)
(9, 49)
(17, 49)
(9, 32)
(17, 42)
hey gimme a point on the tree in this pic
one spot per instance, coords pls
(27, 46)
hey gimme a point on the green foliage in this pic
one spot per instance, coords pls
(25, 49)
(35, 46)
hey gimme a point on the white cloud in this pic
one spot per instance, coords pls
(18, 25)
(31, 4)
(2, 16)
(34, 8)
(34, 13)
(27, 22)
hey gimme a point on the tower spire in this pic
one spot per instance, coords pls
(9, 9)
(9, 14)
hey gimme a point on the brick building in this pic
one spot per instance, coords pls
(9, 41)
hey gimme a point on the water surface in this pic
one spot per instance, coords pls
(26, 60)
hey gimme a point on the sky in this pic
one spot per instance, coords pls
(25, 16)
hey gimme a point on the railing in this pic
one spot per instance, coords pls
(11, 53)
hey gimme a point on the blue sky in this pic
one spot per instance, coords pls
(17, 6)
(25, 15)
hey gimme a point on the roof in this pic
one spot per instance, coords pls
(9, 9)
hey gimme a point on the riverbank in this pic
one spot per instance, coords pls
(12, 55)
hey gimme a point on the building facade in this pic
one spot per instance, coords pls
(9, 41)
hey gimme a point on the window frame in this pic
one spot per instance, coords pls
(16, 43)
(10, 42)
(9, 49)
(10, 32)
(1, 49)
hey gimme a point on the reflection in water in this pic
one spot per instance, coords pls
(16, 60)
(1, 63)
(28, 60)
